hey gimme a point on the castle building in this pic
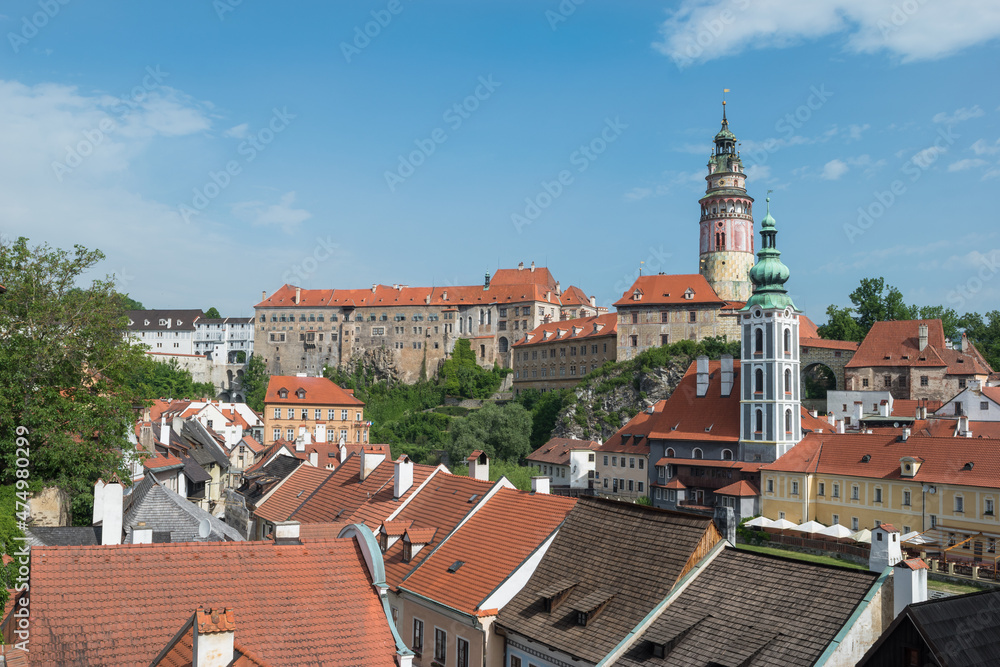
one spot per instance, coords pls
(770, 386)
(727, 233)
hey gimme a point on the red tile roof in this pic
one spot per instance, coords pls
(581, 328)
(317, 532)
(121, 605)
(291, 493)
(319, 391)
(556, 450)
(741, 488)
(807, 328)
(944, 459)
(574, 296)
(897, 344)
(669, 290)
(638, 425)
(539, 275)
(162, 461)
(491, 545)
(712, 417)
(828, 344)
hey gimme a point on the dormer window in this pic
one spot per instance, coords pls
(300, 393)
(637, 295)
(589, 608)
(689, 294)
(282, 393)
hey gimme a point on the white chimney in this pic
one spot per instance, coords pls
(314, 459)
(963, 427)
(298, 295)
(858, 413)
(593, 301)
(906, 434)
(909, 584)
(111, 508)
(363, 463)
(540, 484)
(886, 550)
(402, 478)
(922, 336)
(727, 374)
(883, 408)
(164, 431)
(532, 266)
(286, 532)
(98, 501)
(320, 432)
(300, 442)
(702, 375)
(263, 295)
(831, 418)
(479, 466)
(142, 536)
(214, 635)
(840, 426)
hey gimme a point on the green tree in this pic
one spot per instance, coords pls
(518, 475)
(462, 376)
(255, 380)
(545, 409)
(841, 325)
(501, 432)
(66, 367)
(951, 320)
(128, 303)
(166, 379)
(874, 301)
(212, 314)
(984, 333)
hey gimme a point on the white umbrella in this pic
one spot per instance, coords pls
(782, 524)
(864, 536)
(809, 527)
(759, 522)
(836, 530)
(913, 537)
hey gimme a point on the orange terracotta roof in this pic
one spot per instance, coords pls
(327, 615)
(540, 276)
(897, 344)
(639, 425)
(675, 484)
(161, 461)
(420, 535)
(252, 444)
(946, 428)
(807, 328)
(741, 488)
(485, 548)
(712, 417)
(581, 328)
(828, 344)
(904, 407)
(944, 459)
(318, 391)
(443, 502)
(395, 528)
(317, 532)
(704, 463)
(992, 393)
(293, 491)
(574, 296)
(556, 450)
(383, 502)
(669, 290)
(817, 424)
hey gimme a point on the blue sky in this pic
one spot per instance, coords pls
(215, 150)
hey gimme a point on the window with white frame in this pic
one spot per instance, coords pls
(988, 506)
(959, 504)
(277, 413)
(836, 490)
(906, 497)
(770, 485)
(878, 494)
(440, 645)
(795, 488)
(821, 489)
(855, 492)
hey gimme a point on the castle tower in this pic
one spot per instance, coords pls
(726, 235)
(770, 392)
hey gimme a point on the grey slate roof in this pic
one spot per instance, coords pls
(203, 447)
(961, 630)
(636, 551)
(162, 510)
(753, 610)
(194, 472)
(66, 536)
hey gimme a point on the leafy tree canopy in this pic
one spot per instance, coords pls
(462, 376)
(501, 432)
(128, 303)
(255, 379)
(212, 314)
(166, 379)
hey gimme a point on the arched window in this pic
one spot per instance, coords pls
(788, 341)
(788, 422)
(758, 381)
(722, 235)
(727, 455)
(758, 421)
(503, 345)
(758, 341)
(482, 318)
(788, 381)
(698, 454)
(670, 452)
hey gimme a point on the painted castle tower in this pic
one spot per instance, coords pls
(770, 388)
(727, 234)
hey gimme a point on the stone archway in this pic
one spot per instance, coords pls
(504, 344)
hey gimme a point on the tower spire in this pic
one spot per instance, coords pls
(725, 123)
(769, 274)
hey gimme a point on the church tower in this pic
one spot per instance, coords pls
(726, 235)
(770, 392)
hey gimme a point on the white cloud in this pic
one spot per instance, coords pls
(237, 131)
(637, 194)
(855, 131)
(960, 115)
(281, 214)
(758, 173)
(983, 148)
(968, 163)
(703, 30)
(834, 169)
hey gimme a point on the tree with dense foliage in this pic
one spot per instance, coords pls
(212, 314)
(502, 432)
(874, 301)
(841, 325)
(255, 379)
(545, 409)
(518, 475)
(128, 303)
(166, 379)
(984, 334)
(463, 377)
(65, 370)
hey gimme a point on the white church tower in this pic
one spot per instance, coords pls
(770, 410)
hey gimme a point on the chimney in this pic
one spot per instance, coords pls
(214, 633)
(922, 336)
(593, 301)
(427, 299)
(840, 426)
(702, 377)
(402, 478)
(98, 502)
(374, 287)
(909, 584)
(363, 463)
(725, 520)
(831, 418)
(298, 295)
(964, 346)
(444, 295)
(532, 266)
(479, 466)
(886, 550)
(520, 266)
(111, 508)
(548, 296)
(814, 414)
(883, 408)
(540, 484)
(858, 413)
(300, 442)
(164, 431)
(558, 288)
(727, 374)
(906, 434)
(314, 459)
(963, 427)
(263, 295)
(286, 532)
